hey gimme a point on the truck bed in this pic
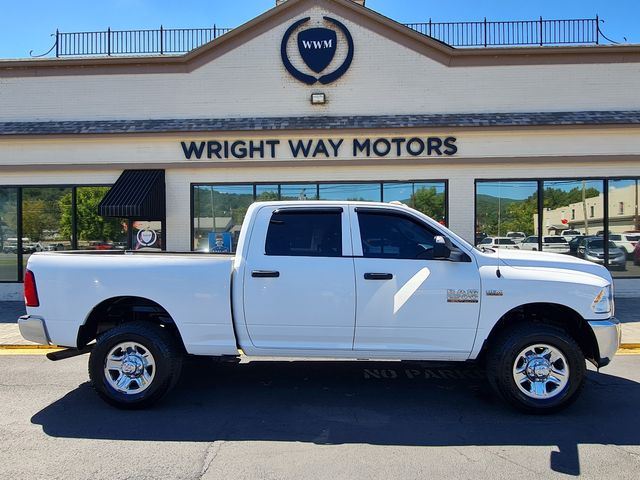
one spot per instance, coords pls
(193, 288)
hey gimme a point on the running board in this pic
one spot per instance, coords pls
(69, 353)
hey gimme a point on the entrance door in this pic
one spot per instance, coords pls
(299, 292)
(404, 297)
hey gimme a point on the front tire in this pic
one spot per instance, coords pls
(536, 368)
(135, 364)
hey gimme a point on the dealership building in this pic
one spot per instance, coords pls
(314, 99)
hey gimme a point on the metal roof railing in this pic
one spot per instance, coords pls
(479, 34)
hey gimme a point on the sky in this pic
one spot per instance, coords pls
(27, 26)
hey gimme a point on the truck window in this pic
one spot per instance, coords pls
(308, 234)
(394, 236)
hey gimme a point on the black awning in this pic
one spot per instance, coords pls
(138, 194)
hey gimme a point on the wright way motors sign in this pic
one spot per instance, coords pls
(320, 148)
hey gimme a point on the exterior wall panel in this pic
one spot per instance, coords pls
(385, 78)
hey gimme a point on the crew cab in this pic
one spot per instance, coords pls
(350, 280)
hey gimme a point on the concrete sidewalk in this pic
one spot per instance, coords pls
(627, 310)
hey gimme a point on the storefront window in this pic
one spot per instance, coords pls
(8, 234)
(427, 197)
(94, 231)
(301, 191)
(365, 192)
(507, 209)
(624, 226)
(574, 214)
(218, 215)
(218, 211)
(46, 220)
(266, 193)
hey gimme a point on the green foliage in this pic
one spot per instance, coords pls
(518, 215)
(39, 219)
(556, 198)
(429, 202)
(267, 197)
(91, 226)
(8, 214)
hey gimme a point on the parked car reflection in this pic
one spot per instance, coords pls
(625, 241)
(498, 242)
(592, 249)
(550, 243)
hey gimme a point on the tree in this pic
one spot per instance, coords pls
(38, 217)
(91, 226)
(8, 214)
(429, 202)
(519, 216)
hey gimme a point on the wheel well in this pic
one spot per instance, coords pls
(551, 314)
(118, 310)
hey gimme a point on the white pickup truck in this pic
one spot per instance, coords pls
(348, 280)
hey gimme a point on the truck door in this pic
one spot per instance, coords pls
(299, 291)
(406, 300)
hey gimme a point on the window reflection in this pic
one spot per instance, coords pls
(267, 193)
(364, 192)
(299, 192)
(218, 210)
(8, 234)
(427, 197)
(507, 210)
(218, 213)
(46, 220)
(624, 224)
(96, 232)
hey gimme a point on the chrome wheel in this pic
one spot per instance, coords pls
(541, 371)
(129, 368)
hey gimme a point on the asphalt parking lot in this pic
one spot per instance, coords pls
(299, 420)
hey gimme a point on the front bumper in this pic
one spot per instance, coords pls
(34, 329)
(608, 334)
(613, 261)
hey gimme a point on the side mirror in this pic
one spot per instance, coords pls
(441, 248)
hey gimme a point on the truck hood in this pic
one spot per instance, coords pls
(527, 259)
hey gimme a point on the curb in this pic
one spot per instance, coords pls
(629, 348)
(30, 347)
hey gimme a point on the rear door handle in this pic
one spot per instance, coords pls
(265, 274)
(378, 276)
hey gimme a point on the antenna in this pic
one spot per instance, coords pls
(498, 274)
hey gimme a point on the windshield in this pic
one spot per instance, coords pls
(555, 240)
(504, 241)
(599, 244)
(633, 238)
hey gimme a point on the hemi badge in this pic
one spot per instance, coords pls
(494, 293)
(462, 296)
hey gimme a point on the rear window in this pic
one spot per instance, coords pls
(571, 232)
(555, 240)
(305, 234)
(504, 241)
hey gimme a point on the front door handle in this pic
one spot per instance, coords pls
(265, 274)
(378, 276)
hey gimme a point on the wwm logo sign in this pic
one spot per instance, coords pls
(317, 44)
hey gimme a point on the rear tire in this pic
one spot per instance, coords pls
(135, 364)
(536, 368)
